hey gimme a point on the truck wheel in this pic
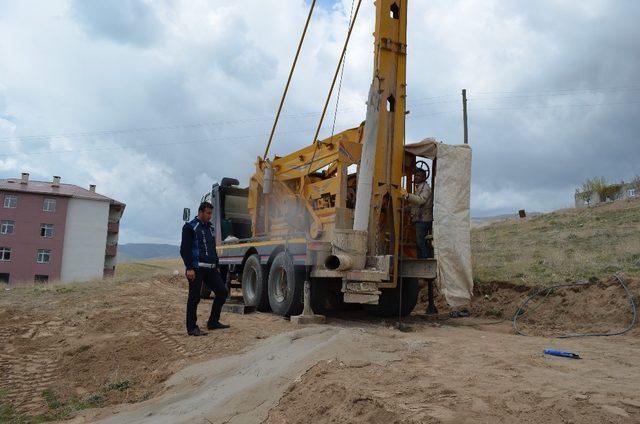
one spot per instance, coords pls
(285, 286)
(254, 284)
(389, 299)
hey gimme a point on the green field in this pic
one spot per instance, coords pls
(565, 245)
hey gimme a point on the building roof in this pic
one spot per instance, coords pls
(47, 187)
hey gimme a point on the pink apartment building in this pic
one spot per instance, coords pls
(56, 232)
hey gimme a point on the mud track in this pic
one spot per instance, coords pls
(123, 343)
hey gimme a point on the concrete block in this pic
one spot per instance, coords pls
(308, 319)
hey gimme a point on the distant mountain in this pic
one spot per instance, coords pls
(132, 252)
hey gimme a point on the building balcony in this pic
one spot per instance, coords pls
(111, 250)
(113, 227)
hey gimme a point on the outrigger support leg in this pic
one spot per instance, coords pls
(307, 317)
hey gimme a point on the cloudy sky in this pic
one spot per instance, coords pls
(153, 100)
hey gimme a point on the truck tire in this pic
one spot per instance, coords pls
(285, 286)
(389, 299)
(254, 284)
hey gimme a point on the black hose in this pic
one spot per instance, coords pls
(632, 304)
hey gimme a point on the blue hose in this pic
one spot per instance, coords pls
(561, 353)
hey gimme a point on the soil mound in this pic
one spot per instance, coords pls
(602, 306)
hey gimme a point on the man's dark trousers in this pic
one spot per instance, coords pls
(423, 228)
(210, 277)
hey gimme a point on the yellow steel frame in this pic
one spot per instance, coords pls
(390, 75)
(314, 178)
(303, 178)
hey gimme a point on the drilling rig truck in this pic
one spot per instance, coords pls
(333, 212)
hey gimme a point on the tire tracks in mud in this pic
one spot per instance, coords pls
(161, 323)
(25, 376)
(155, 318)
(73, 342)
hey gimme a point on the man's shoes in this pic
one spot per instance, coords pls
(197, 332)
(217, 325)
(462, 313)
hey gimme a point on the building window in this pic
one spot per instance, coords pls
(5, 254)
(46, 230)
(4, 278)
(49, 205)
(40, 278)
(44, 256)
(7, 227)
(10, 201)
(631, 192)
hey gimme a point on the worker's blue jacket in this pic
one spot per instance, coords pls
(198, 244)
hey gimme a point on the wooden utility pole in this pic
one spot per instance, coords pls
(464, 115)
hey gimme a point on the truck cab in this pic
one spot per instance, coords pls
(231, 217)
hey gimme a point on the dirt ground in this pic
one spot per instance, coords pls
(116, 352)
(97, 344)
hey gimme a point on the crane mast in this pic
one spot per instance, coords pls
(389, 79)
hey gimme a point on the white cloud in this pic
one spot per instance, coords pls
(72, 67)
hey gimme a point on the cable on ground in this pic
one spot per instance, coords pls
(547, 290)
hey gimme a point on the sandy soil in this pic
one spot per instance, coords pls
(83, 341)
(113, 341)
(468, 375)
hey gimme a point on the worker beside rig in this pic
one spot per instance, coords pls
(421, 201)
(198, 251)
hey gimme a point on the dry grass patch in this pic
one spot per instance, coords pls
(564, 245)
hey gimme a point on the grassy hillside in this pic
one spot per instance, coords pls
(564, 245)
(132, 252)
(129, 270)
(569, 244)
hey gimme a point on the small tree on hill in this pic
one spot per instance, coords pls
(610, 192)
(594, 185)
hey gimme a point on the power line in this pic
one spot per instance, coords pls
(530, 107)
(561, 90)
(209, 140)
(560, 106)
(144, 129)
(521, 96)
(206, 140)
(444, 112)
(416, 103)
(105, 132)
(522, 108)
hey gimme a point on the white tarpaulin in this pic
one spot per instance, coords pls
(451, 220)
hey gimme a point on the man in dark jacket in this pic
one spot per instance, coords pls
(198, 251)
